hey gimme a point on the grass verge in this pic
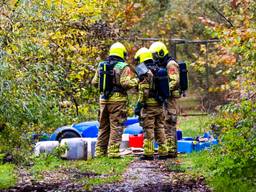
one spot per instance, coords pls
(106, 170)
(109, 170)
(8, 177)
(193, 126)
(204, 163)
(46, 163)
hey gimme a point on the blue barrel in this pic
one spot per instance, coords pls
(207, 135)
(88, 129)
(179, 134)
(188, 138)
(131, 120)
(214, 142)
(184, 146)
(200, 146)
(134, 129)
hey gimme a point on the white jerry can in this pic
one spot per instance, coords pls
(90, 147)
(45, 147)
(125, 142)
(76, 148)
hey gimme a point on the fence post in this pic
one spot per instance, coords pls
(207, 77)
(173, 49)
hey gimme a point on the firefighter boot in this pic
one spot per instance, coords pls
(162, 152)
(172, 150)
(113, 151)
(99, 152)
(148, 150)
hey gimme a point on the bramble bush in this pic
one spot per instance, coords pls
(46, 63)
(231, 165)
(235, 158)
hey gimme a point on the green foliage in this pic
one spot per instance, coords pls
(47, 60)
(230, 166)
(104, 165)
(45, 162)
(48, 162)
(109, 170)
(238, 140)
(236, 53)
(112, 169)
(8, 176)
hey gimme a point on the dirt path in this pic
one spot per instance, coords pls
(61, 180)
(153, 176)
(141, 176)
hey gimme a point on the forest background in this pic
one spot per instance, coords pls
(49, 51)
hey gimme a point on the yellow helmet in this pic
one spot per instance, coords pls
(159, 49)
(143, 54)
(118, 49)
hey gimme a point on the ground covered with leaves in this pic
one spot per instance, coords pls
(103, 174)
(50, 173)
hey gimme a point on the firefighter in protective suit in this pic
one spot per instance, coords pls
(161, 55)
(114, 77)
(148, 108)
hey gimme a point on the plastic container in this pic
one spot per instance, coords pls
(207, 135)
(131, 120)
(188, 138)
(76, 148)
(136, 141)
(62, 130)
(90, 132)
(199, 146)
(179, 134)
(134, 129)
(125, 141)
(88, 129)
(214, 142)
(184, 146)
(90, 147)
(156, 145)
(207, 144)
(45, 147)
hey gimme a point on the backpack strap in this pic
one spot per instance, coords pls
(118, 68)
(120, 65)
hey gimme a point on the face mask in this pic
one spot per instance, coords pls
(141, 69)
(125, 55)
(155, 56)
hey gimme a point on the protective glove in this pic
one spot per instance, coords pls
(138, 108)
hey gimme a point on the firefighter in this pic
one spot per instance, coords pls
(114, 77)
(161, 55)
(148, 107)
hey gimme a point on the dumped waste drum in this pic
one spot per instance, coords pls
(90, 147)
(184, 146)
(76, 148)
(87, 129)
(214, 142)
(131, 120)
(125, 141)
(188, 138)
(134, 129)
(179, 134)
(200, 146)
(136, 141)
(45, 147)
